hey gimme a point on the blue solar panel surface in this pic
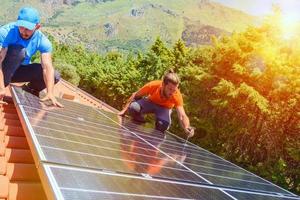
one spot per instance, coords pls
(93, 154)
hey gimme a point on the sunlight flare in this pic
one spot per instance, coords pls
(289, 24)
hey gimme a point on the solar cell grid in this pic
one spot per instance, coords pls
(67, 143)
(97, 183)
(83, 141)
(235, 181)
(91, 184)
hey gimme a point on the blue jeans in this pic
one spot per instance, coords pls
(144, 106)
(15, 72)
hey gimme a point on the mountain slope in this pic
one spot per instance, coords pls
(131, 24)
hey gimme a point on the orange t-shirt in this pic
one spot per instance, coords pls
(152, 89)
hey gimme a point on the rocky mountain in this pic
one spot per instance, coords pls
(105, 25)
(194, 35)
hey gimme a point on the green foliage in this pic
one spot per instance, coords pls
(67, 72)
(153, 64)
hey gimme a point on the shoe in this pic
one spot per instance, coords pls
(34, 92)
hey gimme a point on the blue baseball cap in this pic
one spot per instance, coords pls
(28, 17)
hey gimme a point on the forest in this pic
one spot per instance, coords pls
(241, 92)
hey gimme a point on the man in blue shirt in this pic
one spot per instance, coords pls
(19, 41)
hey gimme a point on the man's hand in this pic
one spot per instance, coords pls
(2, 94)
(190, 131)
(52, 99)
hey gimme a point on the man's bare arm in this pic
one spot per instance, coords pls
(184, 121)
(122, 112)
(48, 75)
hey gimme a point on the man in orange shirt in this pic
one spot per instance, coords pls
(160, 98)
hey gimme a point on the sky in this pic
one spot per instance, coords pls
(290, 8)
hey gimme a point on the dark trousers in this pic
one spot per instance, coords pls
(15, 72)
(144, 106)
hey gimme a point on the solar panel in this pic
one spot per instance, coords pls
(90, 145)
(93, 154)
(207, 165)
(93, 184)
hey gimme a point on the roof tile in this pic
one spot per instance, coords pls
(26, 191)
(2, 165)
(18, 156)
(22, 172)
(4, 182)
(16, 142)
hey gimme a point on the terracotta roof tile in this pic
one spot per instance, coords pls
(13, 131)
(4, 182)
(22, 172)
(3, 165)
(2, 148)
(16, 142)
(18, 156)
(26, 191)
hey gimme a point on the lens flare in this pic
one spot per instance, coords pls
(289, 24)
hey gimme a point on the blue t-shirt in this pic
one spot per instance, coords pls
(9, 34)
